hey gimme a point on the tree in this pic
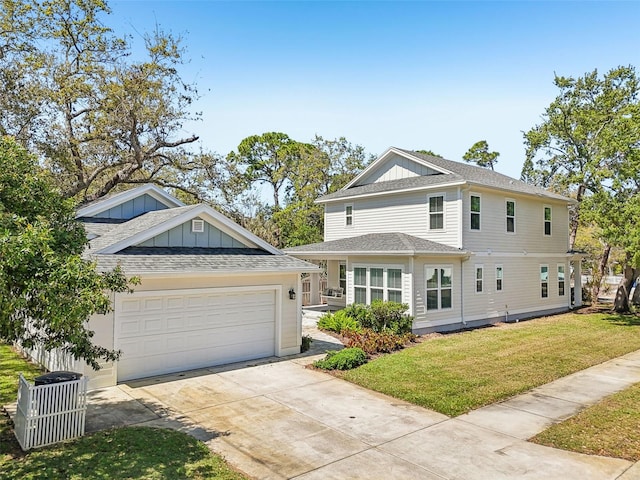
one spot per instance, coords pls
(480, 155)
(47, 290)
(587, 147)
(428, 152)
(73, 95)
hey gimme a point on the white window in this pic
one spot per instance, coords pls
(544, 281)
(547, 221)
(499, 278)
(475, 212)
(436, 212)
(511, 216)
(348, 215)
(479, 278)
(360, 285)
(438, 287)
(377, 283)
(343, 276)
(561, 283)
(197, 226)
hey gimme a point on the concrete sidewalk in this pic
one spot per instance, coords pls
(279, 420)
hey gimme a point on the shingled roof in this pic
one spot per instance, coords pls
(377, 243)
(455, 173)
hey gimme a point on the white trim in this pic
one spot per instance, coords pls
(439, 288)
(544, 220)
(348, 215)
(515, 216)
(564, 274)
(393, 192)
(123, 197)
(444, 212)
(475, 279)
(495, 272)
(229, 227)
(197, 225)
(384, 267)
(540, 282)
(524, 253)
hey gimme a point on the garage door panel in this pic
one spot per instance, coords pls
(193, 330)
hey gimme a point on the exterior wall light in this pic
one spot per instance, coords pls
(292, 294)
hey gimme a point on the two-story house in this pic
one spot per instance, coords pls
(461, 245)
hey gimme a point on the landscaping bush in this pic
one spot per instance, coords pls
(378, 342)
(342, 360)
(360, 313)
(338, 322)
(387, 316)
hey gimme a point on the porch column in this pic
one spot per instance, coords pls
(315, 289)
(577, 282)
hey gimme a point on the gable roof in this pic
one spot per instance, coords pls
(378, 244)
(151, 224)
(105, 203)
(452, 174)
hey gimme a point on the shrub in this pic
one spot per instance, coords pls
(388, 316)
(342, 360)
(378, 342)
(338, 322)
(360, 313)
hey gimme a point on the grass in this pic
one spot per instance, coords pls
(456, 373)
(124, 453)
(610, 428)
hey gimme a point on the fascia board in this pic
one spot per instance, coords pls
(549, 197)
(394, 253)
(123, 197)
(394, 192)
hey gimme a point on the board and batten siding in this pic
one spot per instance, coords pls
(395, 168)
(132, 208)
(182, 236)
(405, 213)
(529, 225)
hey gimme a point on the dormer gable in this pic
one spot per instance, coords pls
(129, 204)
(395, 164)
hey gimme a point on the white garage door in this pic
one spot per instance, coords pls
(164, 332)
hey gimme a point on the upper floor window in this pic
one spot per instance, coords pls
(499, 278)
(547, 220)
(438, 287)
(475, 212)
(479, 278)
(561, 280)
(511, 216)
(436, 212)
(348, 215)
(544, 281)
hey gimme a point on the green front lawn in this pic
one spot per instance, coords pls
(459, 372)
(610, 428)
(132, 453)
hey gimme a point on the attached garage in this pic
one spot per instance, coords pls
(170, 331)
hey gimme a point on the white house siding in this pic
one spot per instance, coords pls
(132, 208)
(521, 288)
(436, 319)
(396, 168)
(289, 331)
(406, 213)
(182, 236)
(529, 235)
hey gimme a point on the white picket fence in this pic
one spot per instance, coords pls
(48, 414)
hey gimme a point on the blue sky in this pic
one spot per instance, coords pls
(417, 75)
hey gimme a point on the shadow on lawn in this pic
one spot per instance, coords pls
(623, 320)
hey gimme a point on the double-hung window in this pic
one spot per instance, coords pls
(436, 212)
(348, 215)
(547, 221)
(377, 283)
(544, 281)
(561, 283)
(342, 273)
(475, 212)
(438, 287)
(479, 278)
(511, 216)
(499, 278)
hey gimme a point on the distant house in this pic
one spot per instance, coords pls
(211, 292)
(461, 245)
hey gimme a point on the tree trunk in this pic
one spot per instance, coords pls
(596, 279)
(635, 300)
(621, 303)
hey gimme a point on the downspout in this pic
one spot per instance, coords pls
(464, 259)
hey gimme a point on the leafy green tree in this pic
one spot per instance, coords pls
(480, 155)
(47, 290)
(73, 94)
(428, 152)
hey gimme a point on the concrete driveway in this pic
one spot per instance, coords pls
(279, 420)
